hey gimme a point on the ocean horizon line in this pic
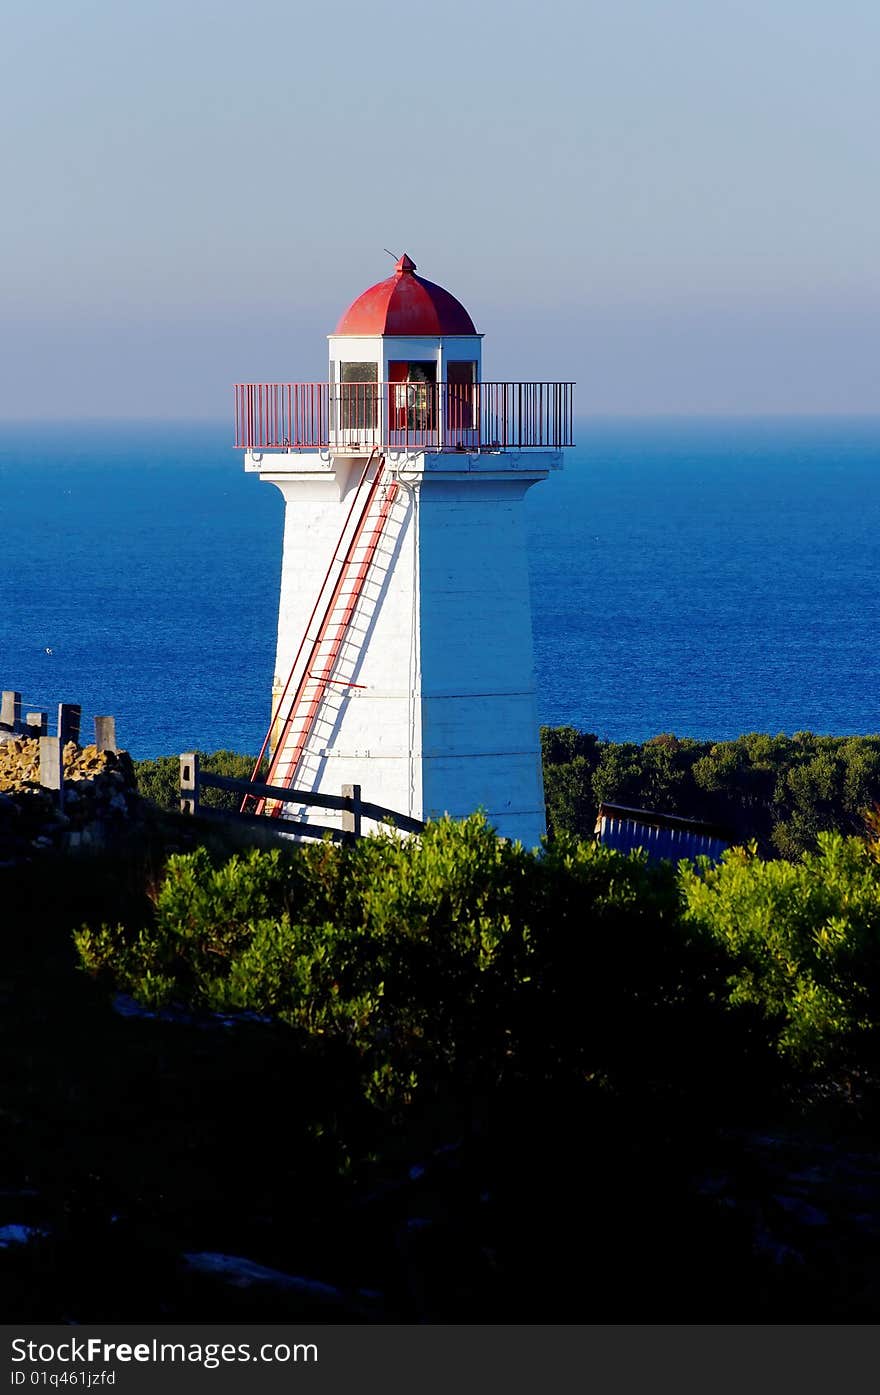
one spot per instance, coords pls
(617, 417)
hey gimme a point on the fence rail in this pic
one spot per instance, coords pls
(404, 416)
(353, 808)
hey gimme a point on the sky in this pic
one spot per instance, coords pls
(675, 203)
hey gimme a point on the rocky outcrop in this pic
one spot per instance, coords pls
(99, 799)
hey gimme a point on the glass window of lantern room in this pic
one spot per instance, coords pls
(358, 391)
(461, 372)
(423, 370)
(412, 397)
(460, 376)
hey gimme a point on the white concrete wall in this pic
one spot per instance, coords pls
(371, 734)
(362, 348)
(355, 348)
(443, 717)
(480, 735)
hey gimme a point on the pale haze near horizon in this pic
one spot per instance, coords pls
(675, 204)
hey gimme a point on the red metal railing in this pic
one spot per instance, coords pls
(359, 417)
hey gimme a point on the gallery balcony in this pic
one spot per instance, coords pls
(355, 418)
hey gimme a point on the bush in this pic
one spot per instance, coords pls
(457, 960)
(391, 948)
(454, 960)
(802, 940)
(159, 780)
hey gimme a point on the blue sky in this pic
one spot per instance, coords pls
(675, 203)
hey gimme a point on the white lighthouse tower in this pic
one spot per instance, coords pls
(404, 661)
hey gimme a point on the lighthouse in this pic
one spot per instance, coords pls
(404, 660)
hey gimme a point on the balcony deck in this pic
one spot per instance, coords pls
(352, 417)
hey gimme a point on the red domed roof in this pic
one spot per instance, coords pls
(406, 304)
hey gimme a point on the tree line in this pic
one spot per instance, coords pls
(779, 792)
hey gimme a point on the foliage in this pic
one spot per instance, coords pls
(454, 960)
(802, 940)
(613, 988)
(570, 758)
(780, 791)
(159, 780)
(391, 947)
(459, 960)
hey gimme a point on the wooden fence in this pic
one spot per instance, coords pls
(348, 802)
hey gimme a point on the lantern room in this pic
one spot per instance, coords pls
(405, 374)
(417, 341)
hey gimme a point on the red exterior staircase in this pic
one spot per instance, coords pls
(330, 623)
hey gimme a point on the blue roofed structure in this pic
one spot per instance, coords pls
(663, 836)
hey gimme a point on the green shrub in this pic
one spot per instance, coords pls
(569, 760)
(159, 780)
(391, 947)
(619, 989)
(802, 939)
(456, 958)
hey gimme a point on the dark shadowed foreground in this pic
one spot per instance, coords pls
(430, 1081)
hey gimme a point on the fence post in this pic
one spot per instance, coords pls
(351, 818)
(10, 711)
(51, 766)
(105, 733)
(189, 783)
(69, 718)
(37, 723)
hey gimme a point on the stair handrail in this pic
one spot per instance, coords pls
(323, 679)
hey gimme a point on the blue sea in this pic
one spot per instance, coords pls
(704, 577)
